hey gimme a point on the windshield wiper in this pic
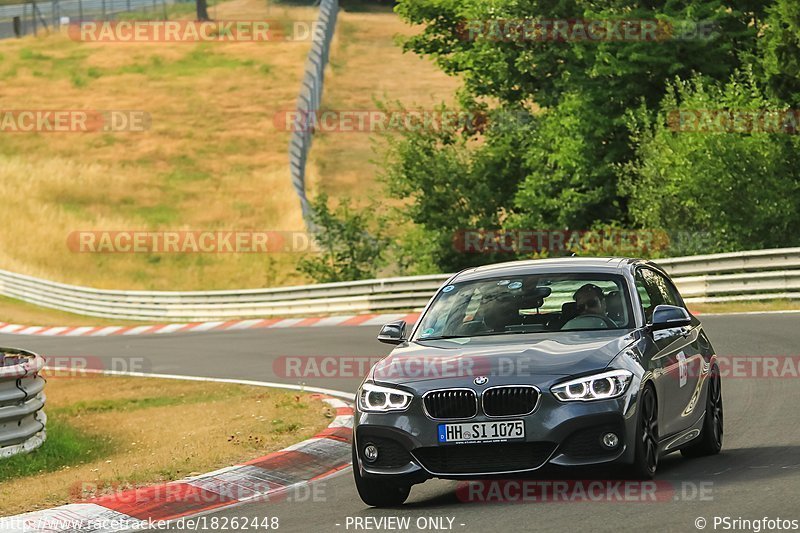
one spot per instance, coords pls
(511, 332)
(444, 337)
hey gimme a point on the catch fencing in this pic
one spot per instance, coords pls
(308, 102)
(17, 20)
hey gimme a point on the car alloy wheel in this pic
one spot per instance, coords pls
(710, 440)
(645, 460)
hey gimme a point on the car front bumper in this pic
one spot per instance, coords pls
(557, 433)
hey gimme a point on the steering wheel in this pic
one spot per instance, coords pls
(610, 323)
(607, 321)
(472, 327)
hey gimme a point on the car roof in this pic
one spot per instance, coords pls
(606, 265)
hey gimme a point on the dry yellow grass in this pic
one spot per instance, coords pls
(213, 158)
(159, 430)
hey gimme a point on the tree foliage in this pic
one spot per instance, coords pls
(448, 185)
(561, 170)
(733, 191)
(578, 135)
(351, 243)
(780, 51)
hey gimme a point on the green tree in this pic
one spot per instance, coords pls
(448, 184)
(780, 50)
(351, 243)
(562, 170)
(720, 191)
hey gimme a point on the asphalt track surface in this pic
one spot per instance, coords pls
(757, 474)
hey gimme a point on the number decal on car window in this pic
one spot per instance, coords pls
(682, 368)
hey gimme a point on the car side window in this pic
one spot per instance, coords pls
(649, 293)
(663, 285)
(642, 290)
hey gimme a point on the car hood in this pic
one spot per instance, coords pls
(553, 354)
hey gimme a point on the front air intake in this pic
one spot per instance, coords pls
(451, 404)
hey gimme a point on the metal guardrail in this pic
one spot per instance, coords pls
(309, 101)
(757, 275)
(22, 420)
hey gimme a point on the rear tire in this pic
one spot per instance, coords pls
(378, 493)
(710, 440)
(645, 460)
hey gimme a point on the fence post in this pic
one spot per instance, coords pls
(33, 16)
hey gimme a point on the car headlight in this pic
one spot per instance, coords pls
(598, 387)
(379, 399)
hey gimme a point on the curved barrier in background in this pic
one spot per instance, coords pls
(22, 420)
(755, 275)
(309, 100)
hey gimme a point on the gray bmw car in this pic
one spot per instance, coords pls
(511, 367)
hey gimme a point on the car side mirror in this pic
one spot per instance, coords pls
(669, 316)
(393, 332)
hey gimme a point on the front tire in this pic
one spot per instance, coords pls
(710, 440)
(378, 493)
(645, 460)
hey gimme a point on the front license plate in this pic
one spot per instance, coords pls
(482, 431)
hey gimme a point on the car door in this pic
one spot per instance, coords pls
(676, 362)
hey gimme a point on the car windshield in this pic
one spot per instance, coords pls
(528, 304)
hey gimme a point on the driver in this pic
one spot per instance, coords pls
(590, 300)
(591, 308)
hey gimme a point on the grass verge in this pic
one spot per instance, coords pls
(18, 312)
(745, 307)
(110, 433)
